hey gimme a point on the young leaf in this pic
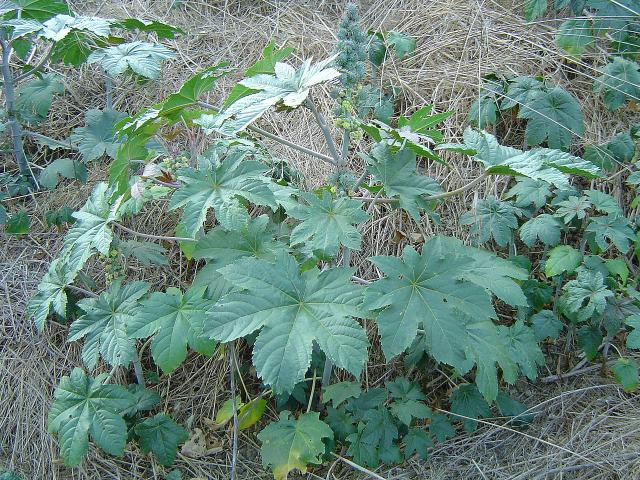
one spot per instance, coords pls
(619, 82)
(546, 325)
(589, 339)
(611, 228)
(397, 173)
(544, 227)
(521, 91)
(528, 192)
(162, 436)
(574, 36)
(292, 309)
(492, 218)
(440, 427)
(91, 230)
(625, 371)
(467, 401)
(82, 405)
(147, 253)
(633, 338)
(97, 137)
(573, 208)
(401, 43)
(35, 97)
(326, 224)
(141, 57)
(586, 295)
(375, 439)
(417, 441)
(64, 167)
(604, 202)
(563, 258)
(105, 324)
(554, 116)
(338, 393)
(484, 110)
(18, 223)
(289, 444)
(175, 320)
(523, 348)
(51, 293)
(218, 185)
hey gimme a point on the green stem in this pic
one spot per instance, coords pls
(10, 98)
(338, 161)
(154, 237)
(47, 140)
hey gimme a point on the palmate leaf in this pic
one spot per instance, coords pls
(293, 310)
(484, 110)
(220, 248)
(162, 30)
(611, 228)
(337, 393)
(82, 405)
(572, 208)
(175, 320)
(288, 85)
(534, 8)
(51, 293)
(97, 137)
(218, 185)
(520, 91)
(549, 165)
(142, 58)
(62, 167)
(147, 253)
(35, 97)
(39, 10)
(523, 348)
(586, 295)
(530, 192)
(441, 292)
(619, 82)
(492, 218)
(290, 444)
(417, 441)
(58, 27)
(467, 401)
(375, 440)
(554, 116)
(397, 173)
(105, 324)
(91, 231)
(544, 227)
(327, 223)
(545, 325)
(162, 436)
(574, 36)
(563, 258)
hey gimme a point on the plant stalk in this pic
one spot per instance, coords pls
(137, 368)
(10, 99)
(338, 161)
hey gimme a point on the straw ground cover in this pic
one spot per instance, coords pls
(586, 432)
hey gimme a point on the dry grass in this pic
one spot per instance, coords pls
(583, 430)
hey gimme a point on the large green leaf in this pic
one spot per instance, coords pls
(82, 405)
(528, 192)
(161, 435)
(290, 444)
(39, 10)
(431, 292)
(293, 310)
(521, 91)
(563, 258)
(35, 97)
(141, 57)
(105, 324)
(400, 180)
(619, 82)
(175, 320)
(51, 293)
(523, 348)
(91, 231)
(97, 137)
(327, 223)
(218, 185)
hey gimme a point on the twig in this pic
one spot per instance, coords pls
(313, 390)
(358, 467)
(576, 372)
(88, 293)
(154, 237)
